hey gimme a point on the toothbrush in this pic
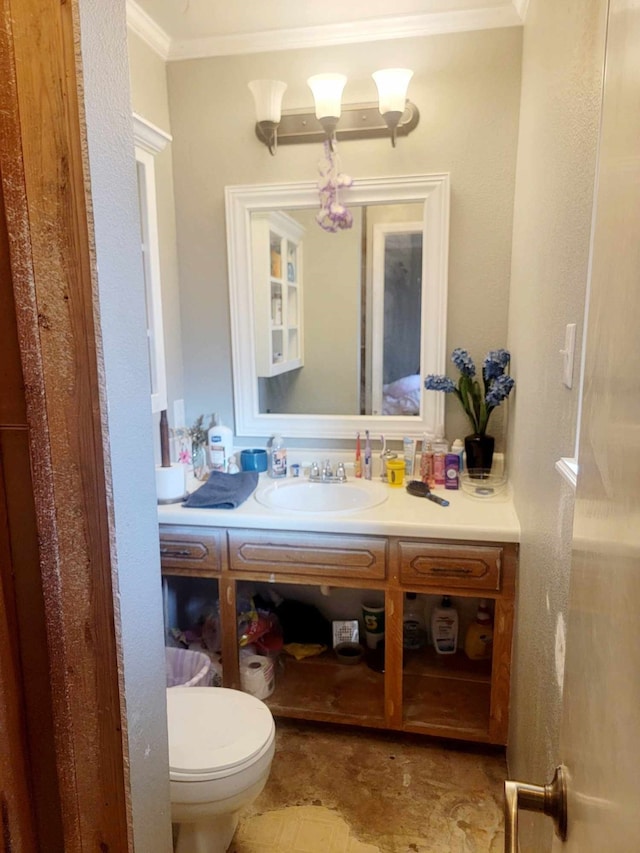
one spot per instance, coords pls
(383, 460)
(367, 456)
(358, 465)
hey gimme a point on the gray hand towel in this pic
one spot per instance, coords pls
(223, 491)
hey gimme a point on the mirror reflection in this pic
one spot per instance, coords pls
(341, 331)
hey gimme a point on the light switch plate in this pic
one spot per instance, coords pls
(568, 354)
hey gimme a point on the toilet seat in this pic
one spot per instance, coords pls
(215, 732)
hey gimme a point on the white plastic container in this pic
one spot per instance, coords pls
(276, 458)
(220, 446)
(444, 627)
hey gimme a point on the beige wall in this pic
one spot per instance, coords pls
(149, 99)
(467, 87)
(561, 86)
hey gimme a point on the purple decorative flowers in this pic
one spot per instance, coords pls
(332, 216)
(478, 402)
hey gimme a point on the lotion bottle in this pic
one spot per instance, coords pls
(444, 627)
(219, 444)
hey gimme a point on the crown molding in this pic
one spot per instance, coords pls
(146, 28)
(375, 29)
(148, 136)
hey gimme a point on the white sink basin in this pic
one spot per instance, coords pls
(302, 496)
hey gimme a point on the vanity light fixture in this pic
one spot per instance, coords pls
(267, 95)
(392, 116)
(392, 86)
(327, 95)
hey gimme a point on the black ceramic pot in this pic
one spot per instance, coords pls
(479, 450)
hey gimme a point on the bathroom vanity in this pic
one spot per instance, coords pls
(468, 550)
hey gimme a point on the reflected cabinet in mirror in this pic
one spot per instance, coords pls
(334, 332)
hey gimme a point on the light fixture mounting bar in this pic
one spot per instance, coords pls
(358, 121)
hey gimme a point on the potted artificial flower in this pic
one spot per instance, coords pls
(478, 401)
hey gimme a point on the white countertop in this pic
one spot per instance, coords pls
(489, 519)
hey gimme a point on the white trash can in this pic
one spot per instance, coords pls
(187, 668)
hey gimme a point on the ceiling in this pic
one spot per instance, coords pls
(188, 29)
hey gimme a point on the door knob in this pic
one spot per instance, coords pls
(550, 799)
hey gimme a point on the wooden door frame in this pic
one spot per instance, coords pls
(45, 188)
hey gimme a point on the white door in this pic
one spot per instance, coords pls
(600, 737)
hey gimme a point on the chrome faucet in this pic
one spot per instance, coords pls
(326, 473)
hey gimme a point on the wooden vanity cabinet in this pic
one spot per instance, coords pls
(421, 692)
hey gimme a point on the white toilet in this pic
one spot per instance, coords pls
(221, 744)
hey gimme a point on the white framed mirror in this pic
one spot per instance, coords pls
(320, 344)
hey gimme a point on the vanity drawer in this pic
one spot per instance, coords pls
(322, 554)
(454, 566)
(190, 550)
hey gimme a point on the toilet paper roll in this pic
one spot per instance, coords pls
(257, 676)
(170, 483)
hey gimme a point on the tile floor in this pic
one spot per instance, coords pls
(343, 790)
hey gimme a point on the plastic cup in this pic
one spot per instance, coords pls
(395, 472)
(373, 617)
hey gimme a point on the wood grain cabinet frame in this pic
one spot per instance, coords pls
(419, 692)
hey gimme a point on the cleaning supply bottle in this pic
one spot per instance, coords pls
(444, 627)
(414, 628)
(478, 643)
(358, 463)
(276, 457)
(219, 444)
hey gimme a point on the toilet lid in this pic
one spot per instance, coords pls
(212, 729)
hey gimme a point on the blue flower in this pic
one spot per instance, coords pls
(463, 361)
(499, 390)
(478, 398)
(495, 363)
(439, 383)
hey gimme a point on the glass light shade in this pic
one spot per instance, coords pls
(267, 95)
(327, 94)
(392, 86)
